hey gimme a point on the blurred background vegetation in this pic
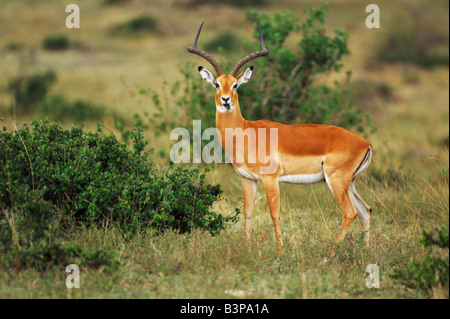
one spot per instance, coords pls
(127, 65)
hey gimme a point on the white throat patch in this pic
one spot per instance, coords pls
(223, 109)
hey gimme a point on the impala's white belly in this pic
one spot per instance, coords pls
(291, 179)
(302, 178)
(246, 174)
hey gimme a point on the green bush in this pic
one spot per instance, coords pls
(55, 42)
(114, 2)
(49, 175)
(431, 271)
(225, 41)
(139, 25)
(29, 91)
(52, 179)
(284, 88)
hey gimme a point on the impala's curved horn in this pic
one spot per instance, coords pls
(251, 56)
(193, 49)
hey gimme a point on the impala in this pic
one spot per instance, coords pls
(305, 154)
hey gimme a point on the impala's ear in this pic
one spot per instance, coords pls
(207, 75)
(245, 76)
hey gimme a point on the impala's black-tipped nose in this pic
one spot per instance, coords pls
(226, 102)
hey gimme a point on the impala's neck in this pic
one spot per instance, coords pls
(232, 119)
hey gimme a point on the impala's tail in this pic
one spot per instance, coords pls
(365, 162)
(364, 211)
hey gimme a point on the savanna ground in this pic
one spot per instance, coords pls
(406, 184)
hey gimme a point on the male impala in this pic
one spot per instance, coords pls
(306, 154)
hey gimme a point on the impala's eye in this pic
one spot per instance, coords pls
(217, 85)
(235, 86)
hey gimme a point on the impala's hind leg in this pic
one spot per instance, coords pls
(364, 210)
(341, 192)
(364, 213)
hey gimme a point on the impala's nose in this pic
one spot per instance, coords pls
(226, 102)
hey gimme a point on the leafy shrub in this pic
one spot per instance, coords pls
(431, 271)
(49, 175)
(284, 88)
(30, 90)
(56, 42)
(139, 25)
(225, 41)
(52, 179)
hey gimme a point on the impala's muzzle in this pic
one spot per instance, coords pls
(226, 102)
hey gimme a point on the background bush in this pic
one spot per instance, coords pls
(226, 41)
(30, 96)
(114, 2)
(139, 25)
(59, 108)
(285, 87)
(29, 90)
(416, 40)
(55, 42)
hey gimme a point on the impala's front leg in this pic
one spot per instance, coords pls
(249, 188)
(273, 197)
